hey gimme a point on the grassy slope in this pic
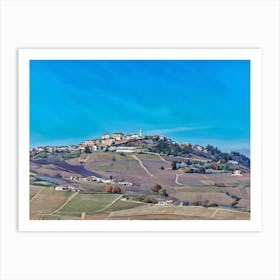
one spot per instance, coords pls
(195, 186)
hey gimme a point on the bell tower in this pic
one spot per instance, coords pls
(140, 132)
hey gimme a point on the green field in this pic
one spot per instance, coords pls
(49, 200)
(35, 182)
(122, 205)
(90, 203)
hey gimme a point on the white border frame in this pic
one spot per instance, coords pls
(254, 55)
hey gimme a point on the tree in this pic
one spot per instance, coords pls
(108, 189)
(173, 165)
(214, 166)
(162, 168)
(87, 150)
(117, 190)
(156, 188)
(188, 170)
(234, 202)
(162, 192)
(201, 170)
(149, 200)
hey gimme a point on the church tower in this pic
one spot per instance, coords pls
(140, 132)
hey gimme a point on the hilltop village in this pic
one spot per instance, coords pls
(116, 142)
(190, 158)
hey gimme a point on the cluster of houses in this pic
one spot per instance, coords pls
(100, 180)
(115, 142)
(52, 149)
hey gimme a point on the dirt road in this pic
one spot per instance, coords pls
(142, 165)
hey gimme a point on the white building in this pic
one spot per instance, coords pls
(236, 173)
(126, 149)
(234, 162)
(65, 188)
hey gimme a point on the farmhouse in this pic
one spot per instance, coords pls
(236, 173)
(65, 188)
(128, 184)
(165, 202)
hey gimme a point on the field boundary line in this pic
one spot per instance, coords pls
(143, 166)
(214, 213)
(134, 201)
(224, 209)
(37, 193)
(176, 179)
(110, 204)
(84, 160)
(157, 154)
(64, 204)
(164, 160)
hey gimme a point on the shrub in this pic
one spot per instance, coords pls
(156, 187)
(201, 170)
(174, 165)
(188, 170)
(213, 204)
(116, 190)
(162, 192)
(234, 202)
(150, 200)
(196, 203)
(87, 150)
(138, 198)
(108, 189)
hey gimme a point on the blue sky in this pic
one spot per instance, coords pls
(200, 101)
